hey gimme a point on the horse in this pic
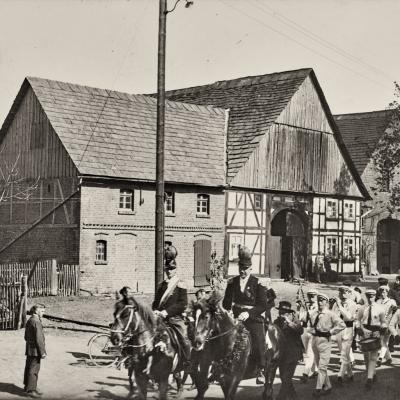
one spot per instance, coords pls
(152, 349)
(224, 345)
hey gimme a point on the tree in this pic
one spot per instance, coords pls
(12, 186)
(386, 158)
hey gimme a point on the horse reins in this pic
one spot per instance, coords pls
(208, 339)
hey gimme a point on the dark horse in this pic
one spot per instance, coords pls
(224, 344)
(150, 344)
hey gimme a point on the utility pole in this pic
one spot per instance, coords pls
(159, 239)
(159, 222)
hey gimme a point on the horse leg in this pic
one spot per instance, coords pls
(179, 383)
(131, 379)
(163, 387)
(201, 379)
(141, 381)
(270, 372)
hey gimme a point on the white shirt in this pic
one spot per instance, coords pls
(243, 283)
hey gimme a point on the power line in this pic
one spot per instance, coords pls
(303, 45)
(294, 25)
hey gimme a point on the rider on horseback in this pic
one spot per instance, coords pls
(171, 301)
(245, 296)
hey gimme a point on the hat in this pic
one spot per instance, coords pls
(347, 283)
(170, 253)
(285, 306)
(383, 287)
(344, 288)
(244, 256)
(312, 292)
(170, 264)
(324, 296)
(370, 292)
(382, 281)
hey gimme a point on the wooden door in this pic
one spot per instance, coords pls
(384, 257)
(202, 261)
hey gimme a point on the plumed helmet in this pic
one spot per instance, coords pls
(244, 256)
(170, 253)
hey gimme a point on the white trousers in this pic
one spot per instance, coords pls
(370, 359)
(384, 353)
(309, 361)
(322, 352)
(344, 341)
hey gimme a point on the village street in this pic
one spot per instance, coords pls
(66, 374)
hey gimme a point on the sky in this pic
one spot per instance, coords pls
(352, 45)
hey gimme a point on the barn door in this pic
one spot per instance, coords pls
(202, 260)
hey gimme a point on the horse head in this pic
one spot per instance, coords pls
(211, 322)
(125, 322)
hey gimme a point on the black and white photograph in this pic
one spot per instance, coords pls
(199, 199)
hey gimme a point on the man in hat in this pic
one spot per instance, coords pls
(245, 296)
(319, 267)
(290, 348)
(346, 308)
(371, 323)
(35, 350)
(325, 323)
(394, 291)
(170, 302)
(304, 310)
(389, 305)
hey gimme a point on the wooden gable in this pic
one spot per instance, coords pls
(300, 152)
(29, 140)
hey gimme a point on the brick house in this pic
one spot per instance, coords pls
(92, 152)
(292, 188)
(381, 234)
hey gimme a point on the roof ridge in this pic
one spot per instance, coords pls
(115, 94)
(246, 80)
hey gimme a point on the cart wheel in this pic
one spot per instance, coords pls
(102, 352)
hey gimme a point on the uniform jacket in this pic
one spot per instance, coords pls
(290, 343)
(34, 337)
(326, 321)
(176, 302)
(253, 297)
(377, 316)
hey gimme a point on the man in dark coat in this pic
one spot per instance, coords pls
(170, 302)
(246, 298)
(35, 350)
(290, 348)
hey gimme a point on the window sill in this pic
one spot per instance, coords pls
(126, 212)
(170, 214)
(100, 262)
(199, 215)
(349, 219)
(332, 218)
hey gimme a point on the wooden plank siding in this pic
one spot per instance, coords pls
(299, 152)
(31, 139)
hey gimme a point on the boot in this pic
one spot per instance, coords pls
(260, 377)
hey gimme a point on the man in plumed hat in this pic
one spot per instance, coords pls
(245, 297)
(171, 300)
(290, 349)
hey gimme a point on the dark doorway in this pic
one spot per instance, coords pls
(289, 226)
(388, 246)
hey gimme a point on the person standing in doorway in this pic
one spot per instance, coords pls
(35, 350)
(319, 266)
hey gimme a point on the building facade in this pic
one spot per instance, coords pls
(380, 228)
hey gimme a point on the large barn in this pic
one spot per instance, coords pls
(92, 154)
(292, 188)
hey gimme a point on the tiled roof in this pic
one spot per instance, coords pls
(254, 103)
(113, 134)
(361, 132)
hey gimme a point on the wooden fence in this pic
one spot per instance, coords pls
(9, 302)
(68, 280)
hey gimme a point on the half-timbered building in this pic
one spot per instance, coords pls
(380, 229)
(91, 155)
(292, 188)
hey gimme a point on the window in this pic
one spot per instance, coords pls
(203, 204)
(331, 209)
(349, 210)
(348, 248)
(234, 242)
(258, 201)
(126, 199)
(169, 202)
(331, 247)
(101, 250)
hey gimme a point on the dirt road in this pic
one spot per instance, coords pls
(65, 374)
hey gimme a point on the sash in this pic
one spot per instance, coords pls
(170, 288)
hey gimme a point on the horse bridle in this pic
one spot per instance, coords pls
(208, 338)
(132, 312)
